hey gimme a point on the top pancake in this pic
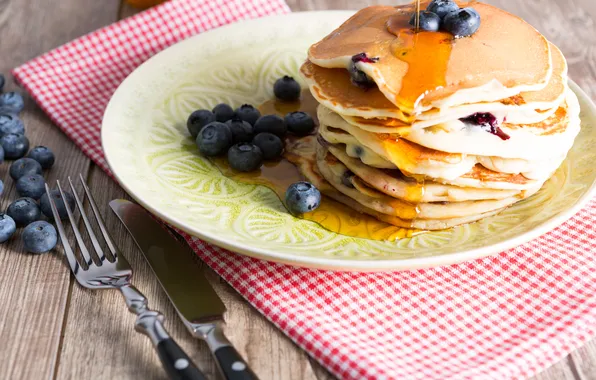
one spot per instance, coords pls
(419, 71)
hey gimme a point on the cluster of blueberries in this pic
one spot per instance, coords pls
(38, 236)
(249, 138)
(448, 16)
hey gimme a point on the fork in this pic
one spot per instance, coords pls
(116, 274)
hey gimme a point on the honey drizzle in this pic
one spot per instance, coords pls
(331, 215)
(417, 23)
(427, 55)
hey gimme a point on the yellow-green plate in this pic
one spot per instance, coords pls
(151, 154)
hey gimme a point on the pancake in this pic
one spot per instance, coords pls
(372, 111)
(420, 71)
(394, 184)
(334, 172)
(302, 154)
(381, 150)
(546, 140)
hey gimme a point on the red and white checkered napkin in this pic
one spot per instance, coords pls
(503, 317)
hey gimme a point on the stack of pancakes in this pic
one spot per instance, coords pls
(452, 130)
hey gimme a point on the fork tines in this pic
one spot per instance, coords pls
(88, 261)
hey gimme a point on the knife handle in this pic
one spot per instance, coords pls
(176, 363)
(229, 361)
(232, 365)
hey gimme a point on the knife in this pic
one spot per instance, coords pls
(199, 307)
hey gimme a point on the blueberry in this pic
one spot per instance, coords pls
(39, 237)
(223, 112)
(429, 21)
(2, 81)
(359, 77)
(197, 120)
(442, 7)
(10, 123)
(31, 185)
(286, 89)
(24, 166)
(302, 197)
(241, 130)
(7, 227)
(271, 146)
(272, 124)
(1, 187)
(300, 123)
(214, 139)
(245, 157)
(11, 102)
(46, 208)
(346, 179)
(24, 211)
(248, 113)
(43, 155)
(462, 23)
(1, 154)
(15, 145)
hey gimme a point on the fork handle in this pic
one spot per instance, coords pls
(174, 360)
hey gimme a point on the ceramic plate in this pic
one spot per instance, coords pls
(149, 150)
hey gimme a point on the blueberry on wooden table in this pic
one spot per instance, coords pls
(39, 237)
(15, 145)
(7, 227)
(271, 146)
(214, 139)
(197, 120)
(242, 131)
(43, 155)
(245, 157)
(11, 102)
(11, 123)
(271, 124)
(287, 89)
(2, 81)
(32, 186)
(248, 113)
(46, 208)
(302, 197)
(223, 112)
(24, 166)
(24, 211)
(300, 123)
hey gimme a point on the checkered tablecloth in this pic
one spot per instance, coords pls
(503, 317)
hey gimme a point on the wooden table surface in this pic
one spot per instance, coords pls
(50, 328)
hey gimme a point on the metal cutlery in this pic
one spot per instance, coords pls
(116, 273)
(195, 300)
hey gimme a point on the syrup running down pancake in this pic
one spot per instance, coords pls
(420, 129)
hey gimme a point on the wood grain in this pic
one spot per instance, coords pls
(89, 334)
(35, 289)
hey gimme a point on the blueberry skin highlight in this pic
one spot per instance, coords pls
(302, 197)
(24, 211)
(39, 237)
(43, 155)
(7, 227)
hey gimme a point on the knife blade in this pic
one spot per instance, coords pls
(195, 300)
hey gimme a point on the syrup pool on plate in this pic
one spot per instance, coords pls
(279, 175)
